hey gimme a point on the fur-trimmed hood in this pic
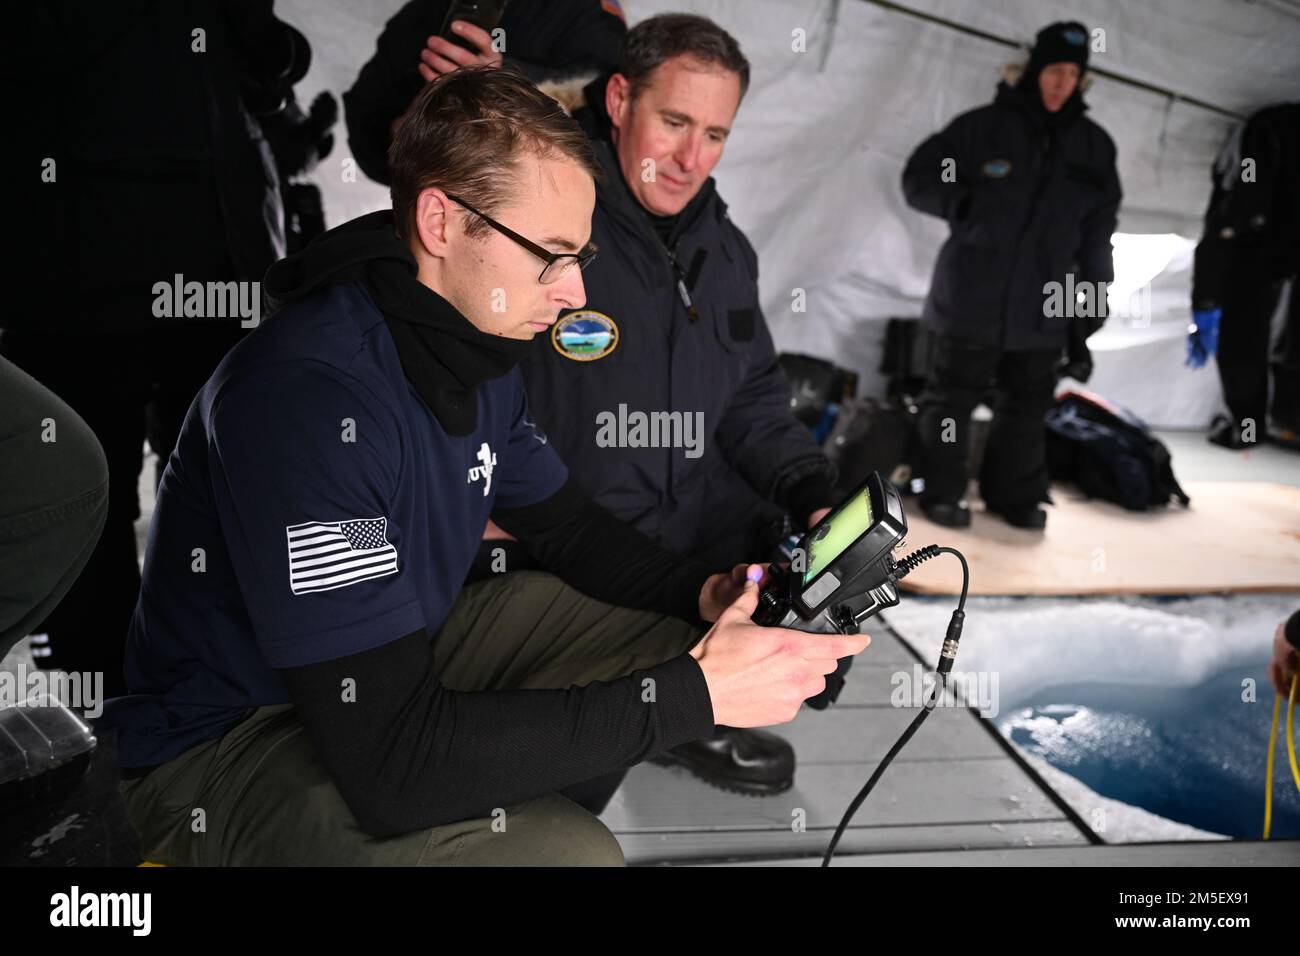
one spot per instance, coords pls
(570, 93)
(1012, 72)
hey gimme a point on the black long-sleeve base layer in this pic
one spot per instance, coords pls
(409, 754)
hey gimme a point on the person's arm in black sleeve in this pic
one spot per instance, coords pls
(1213, 254)
(578, 36)
(1095, 255)
(1257, 187)
(1211, 261)
(604, 558)
(809, 495)
(1241, 207)
(408, 754)
(927, 187)
(771, 449)
(387, 84)
(544, 41)
(774, 451)
(271, 55)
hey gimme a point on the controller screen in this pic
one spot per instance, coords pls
(837, 532)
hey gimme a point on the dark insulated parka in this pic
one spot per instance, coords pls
(1253, 222)
(1033, 201)
(714, 360)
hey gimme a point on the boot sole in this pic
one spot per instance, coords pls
(1023, 526)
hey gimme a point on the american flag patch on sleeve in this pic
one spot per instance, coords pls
(324, 555)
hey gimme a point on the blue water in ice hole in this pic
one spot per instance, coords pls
(1192, 754)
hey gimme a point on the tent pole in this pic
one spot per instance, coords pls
(1003, 41)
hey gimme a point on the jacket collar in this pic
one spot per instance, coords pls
(1026, 99)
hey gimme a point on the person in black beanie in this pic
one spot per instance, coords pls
(1047, 73)
(1029, 187)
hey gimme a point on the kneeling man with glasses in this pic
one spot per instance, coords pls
(309, 681)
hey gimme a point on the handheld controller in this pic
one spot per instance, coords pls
(843, 570)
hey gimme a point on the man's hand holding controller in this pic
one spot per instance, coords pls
(759, 676)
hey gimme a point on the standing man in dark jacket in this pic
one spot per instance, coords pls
(663, 393)
(544, 39)
(1029, 187)
(1250, 248)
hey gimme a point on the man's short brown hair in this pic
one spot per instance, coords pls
(466, 133)
(660, 38)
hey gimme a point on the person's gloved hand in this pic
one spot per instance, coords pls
(1076, 363)
(298, 140)
(1203, 336)
(1080, 370)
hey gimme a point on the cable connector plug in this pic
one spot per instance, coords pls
(949, 652)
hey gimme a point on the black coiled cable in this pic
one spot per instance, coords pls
(946, 657)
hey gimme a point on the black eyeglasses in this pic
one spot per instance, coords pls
(557, 263)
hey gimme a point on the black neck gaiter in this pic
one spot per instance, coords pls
(443, 355)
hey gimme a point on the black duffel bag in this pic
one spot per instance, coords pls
(1109, 453)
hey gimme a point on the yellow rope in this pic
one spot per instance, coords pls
(1290, 734)
(1272, 745)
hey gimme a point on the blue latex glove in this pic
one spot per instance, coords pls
(1203, 337)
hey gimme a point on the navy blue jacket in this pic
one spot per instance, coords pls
(1033, 201)
(757, 461)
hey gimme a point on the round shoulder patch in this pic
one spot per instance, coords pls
(996, 168)
(585, 336)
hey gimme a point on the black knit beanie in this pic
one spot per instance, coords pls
(1064, 42)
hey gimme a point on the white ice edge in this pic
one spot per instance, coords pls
(1036, 643)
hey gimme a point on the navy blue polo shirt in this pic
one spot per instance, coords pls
(313, 508)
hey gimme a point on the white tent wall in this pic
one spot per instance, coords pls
(812, 169)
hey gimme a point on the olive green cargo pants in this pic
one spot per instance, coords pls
(260, 796)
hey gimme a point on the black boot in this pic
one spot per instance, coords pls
(1225, 433)
(752, 762)
(950, 514)
(1031, 516)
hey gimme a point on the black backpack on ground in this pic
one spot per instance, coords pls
(1109, 453)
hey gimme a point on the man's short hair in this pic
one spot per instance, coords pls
(466, 133)
(658, 39)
